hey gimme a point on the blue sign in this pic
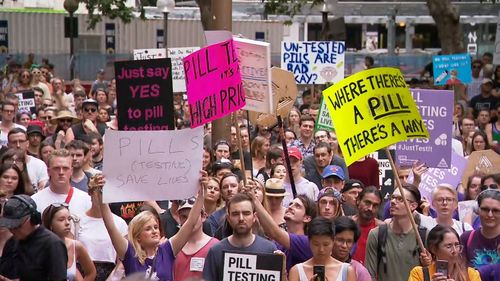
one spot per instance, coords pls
(452, 69)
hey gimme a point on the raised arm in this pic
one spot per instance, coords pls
(266, 221)
(182, 236)
(119, 242)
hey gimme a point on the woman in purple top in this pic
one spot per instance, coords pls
(144, 251)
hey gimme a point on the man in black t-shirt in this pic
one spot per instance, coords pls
(33, 252)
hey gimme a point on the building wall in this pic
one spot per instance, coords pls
(43, 33)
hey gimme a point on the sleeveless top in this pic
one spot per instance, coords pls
(342, 276)
(72, 269)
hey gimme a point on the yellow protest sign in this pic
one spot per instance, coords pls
(371, 110)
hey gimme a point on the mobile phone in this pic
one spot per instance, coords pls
(442, 267)
(319, 271)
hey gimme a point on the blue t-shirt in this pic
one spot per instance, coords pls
(164, 263)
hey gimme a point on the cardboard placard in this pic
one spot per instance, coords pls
(452, 69)
(213, 83)
(145, 97)
(324, 121)
(372, 110)
(255, 67)
(485, 161)
(285, 93)
(252, 266)
(314, 62)
(436, 109)
(152, 165)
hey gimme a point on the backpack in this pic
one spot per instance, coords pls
(382, 240)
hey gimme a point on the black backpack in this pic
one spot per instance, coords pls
(382, 240)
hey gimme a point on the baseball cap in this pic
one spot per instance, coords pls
(352, 183)
(32, 128)
(90, 101)
(333, 170)
(486, 81)
(294, 152)
(331, 192)
(186, 203)
(15, 211)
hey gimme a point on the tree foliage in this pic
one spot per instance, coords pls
(288, 7)
(112, 9)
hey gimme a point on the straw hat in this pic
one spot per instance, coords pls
(275, 188)
(65, 114)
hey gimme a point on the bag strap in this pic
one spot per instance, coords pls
(69, 196)
(382, 239)
(427, 276)
(469, 239)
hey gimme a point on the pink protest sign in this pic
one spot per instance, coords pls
(213, 83)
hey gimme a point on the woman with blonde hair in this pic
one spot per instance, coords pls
(444, 245)
(213, 197)
(144, 251)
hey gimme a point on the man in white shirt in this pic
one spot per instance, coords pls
(302, 185)
(37, 170)
(59, 189)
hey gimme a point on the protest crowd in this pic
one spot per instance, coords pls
(321, 219)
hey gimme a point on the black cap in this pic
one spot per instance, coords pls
(352, 183)
(34, 129)
(15, 211)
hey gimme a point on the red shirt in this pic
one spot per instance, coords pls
(360, 253)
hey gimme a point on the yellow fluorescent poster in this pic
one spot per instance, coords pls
(371, 110)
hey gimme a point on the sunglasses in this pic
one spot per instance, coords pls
(66, 120)
(491, 186)
(57, 205)
(190, 201)
(90, 109)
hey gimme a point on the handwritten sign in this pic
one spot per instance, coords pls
(252, 266)
(145, 97)
(255, 67)
(371, 110)
(152, 165)
(213, 83)
(436, 109)
(314, 62)
(149, 54)
(27, 101)
(452, 69)
(436, 176)
(324, 121)
(466, 208)
(178, 77)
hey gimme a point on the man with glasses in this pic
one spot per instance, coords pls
(89, 123)
(37, 170)
(59, 189)
(444, 202)
(482, 245)
(33, 252)
(400, 252)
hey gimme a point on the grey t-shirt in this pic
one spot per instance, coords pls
(214, 262)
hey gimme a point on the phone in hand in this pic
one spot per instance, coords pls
(319, 271)
(442, 267)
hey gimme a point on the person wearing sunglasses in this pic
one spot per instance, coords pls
(63, 120)
(444, 245)
(88, 124)
(36, 81)
(481, 245)
(473, 88)
(58, 219)
(33, 252)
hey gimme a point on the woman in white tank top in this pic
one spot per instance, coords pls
(321, 234)
(57, 218)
